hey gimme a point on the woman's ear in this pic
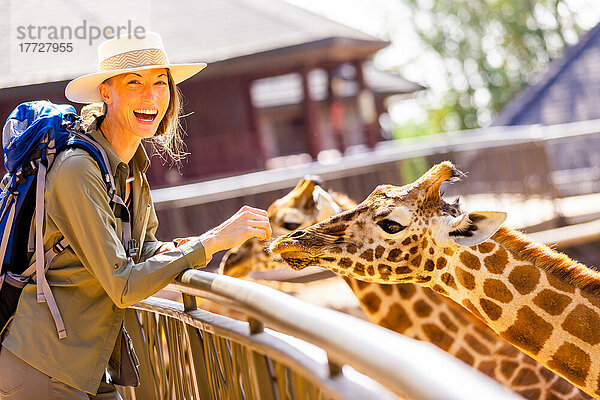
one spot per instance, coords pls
(475, 227)
(105, 93)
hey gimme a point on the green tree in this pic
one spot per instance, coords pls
(490, 50)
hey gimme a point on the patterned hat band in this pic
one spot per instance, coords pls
(134, 59)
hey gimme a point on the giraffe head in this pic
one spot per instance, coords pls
(305, 205)
(398, 234)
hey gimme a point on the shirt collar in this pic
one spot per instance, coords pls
(140, 158)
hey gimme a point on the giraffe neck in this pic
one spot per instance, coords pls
(540, 301)
(420, 313)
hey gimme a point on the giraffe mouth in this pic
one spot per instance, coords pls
(297, 259)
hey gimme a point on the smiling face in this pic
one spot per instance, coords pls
(398, 234)
(137, 101)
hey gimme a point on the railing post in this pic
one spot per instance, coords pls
(189, 302)
(256, 326)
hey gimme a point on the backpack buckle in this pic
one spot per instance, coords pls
(132, 248)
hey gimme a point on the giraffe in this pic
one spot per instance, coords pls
(412, 310)
(535, 298)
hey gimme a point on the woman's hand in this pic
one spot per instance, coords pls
(246, 223)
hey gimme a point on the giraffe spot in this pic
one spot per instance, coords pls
(486, 333)
(359, 269)
(507, 368)
(429, 265)
(497, 290)
(329, 259)
(431, 251)
(471, 307)
(547, 375)
(560, 285)
(390, 242)
(525, 377)
(371, 240)
(394, 255)
(529, 332)
(592, 298)
(361, 284)
(496, 262)
(414, 249)
(486, 247)
(422, 308)
(460, 315)
(491, 309)
(466, 279)
(437, 336)
(406, 290)
(351, 248)
(509, 350)
(441, 263)
(551, 302)
(384, 271)
(432, 296)
(422, 279)
(487, 367)
(367, 255)
(371, 302)
(448, 280)
(448, 251)
(416, 261)
(563, 386)
(403, 270)
(448, 322)
(437, 288)
(387, 289)
(345, 263)
(424, 244)
(396, 319)
(572, 362)
(469, 260)
(584, 323)
(379, 251)
(415, 238)
(406, 257)
(476, 345)
(371, 270)
(524, 278)
(464, 355)
(530, 393)
(335, 250)
(406, 241)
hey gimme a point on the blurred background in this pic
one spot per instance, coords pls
(359, 92)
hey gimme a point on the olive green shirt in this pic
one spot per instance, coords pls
(93, 281)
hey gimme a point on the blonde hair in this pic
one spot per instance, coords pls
(167, 142)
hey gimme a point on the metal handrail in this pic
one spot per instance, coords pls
(416, 369)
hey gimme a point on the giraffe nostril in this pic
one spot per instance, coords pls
(296, 234)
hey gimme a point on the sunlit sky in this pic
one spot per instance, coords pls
(390, 20)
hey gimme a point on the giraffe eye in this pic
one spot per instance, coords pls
(390, 226)
(291, 226)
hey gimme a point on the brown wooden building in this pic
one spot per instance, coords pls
(280, 81)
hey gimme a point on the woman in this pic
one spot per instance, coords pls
(94, 280)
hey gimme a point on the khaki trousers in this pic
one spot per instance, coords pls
(20, 381)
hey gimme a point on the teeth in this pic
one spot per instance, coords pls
(146, 111)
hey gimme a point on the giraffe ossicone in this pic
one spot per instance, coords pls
(539, 300)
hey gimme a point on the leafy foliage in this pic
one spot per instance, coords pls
(490, 50)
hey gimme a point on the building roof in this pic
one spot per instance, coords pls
(255, 32)
(567, 92)
(287, 89)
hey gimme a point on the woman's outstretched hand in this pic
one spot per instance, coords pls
(246, 223)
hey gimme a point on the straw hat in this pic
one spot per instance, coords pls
(127, 54)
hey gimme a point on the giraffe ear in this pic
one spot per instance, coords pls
(325, 204)
(476, 227)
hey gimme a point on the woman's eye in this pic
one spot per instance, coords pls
(291, 226)
(133, 82)
(390, 226)
(161, 83)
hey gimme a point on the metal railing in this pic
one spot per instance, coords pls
(188, 353)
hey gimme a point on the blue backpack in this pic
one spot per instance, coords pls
(33, 135)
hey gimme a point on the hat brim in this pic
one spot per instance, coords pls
(85, 88)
